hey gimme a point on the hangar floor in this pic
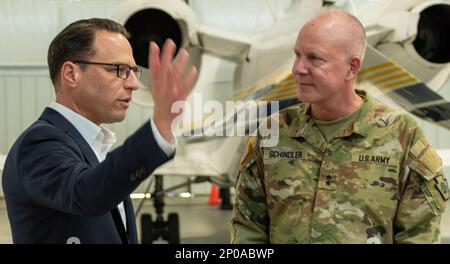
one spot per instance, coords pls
(200, 223)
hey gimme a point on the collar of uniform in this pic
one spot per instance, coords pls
(303, 121)
(362, 124)
(299, 120)
(357, 126)
(303, 126)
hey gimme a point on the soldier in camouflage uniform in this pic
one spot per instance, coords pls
(346, 169)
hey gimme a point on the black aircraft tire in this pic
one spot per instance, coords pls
(146, 229)
(173, 229)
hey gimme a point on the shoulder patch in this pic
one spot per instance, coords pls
(442, 186)
(436, 193)
(418, 148)
(428, 163)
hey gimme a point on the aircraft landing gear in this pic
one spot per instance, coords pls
(167, 230)
(225, 198)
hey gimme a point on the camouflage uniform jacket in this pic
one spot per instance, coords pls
(377, 181)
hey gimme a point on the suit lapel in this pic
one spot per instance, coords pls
(61, 122)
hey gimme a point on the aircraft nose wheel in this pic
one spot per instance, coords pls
(167, 230)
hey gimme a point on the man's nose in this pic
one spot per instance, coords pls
(299, 67)
(132, 81)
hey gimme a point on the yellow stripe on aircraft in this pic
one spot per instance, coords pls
(383, 73)
(392, 77)
(377, 67)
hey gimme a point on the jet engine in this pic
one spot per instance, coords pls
(158, 20)
(420, 41)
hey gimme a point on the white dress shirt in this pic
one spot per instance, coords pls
(101, 139)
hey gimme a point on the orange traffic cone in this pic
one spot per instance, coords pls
(214, 195)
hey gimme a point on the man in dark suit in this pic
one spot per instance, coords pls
(60, 183)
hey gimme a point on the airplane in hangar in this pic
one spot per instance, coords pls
(406, 62)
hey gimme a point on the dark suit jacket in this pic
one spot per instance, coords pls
(56, 190)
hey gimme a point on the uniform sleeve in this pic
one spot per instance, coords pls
(424, 198)
(249, 222)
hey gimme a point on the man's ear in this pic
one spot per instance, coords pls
(70, 73)
(355, 66)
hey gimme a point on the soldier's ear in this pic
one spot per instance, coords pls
(354, 67)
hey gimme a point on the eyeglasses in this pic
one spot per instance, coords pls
(122, 70)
